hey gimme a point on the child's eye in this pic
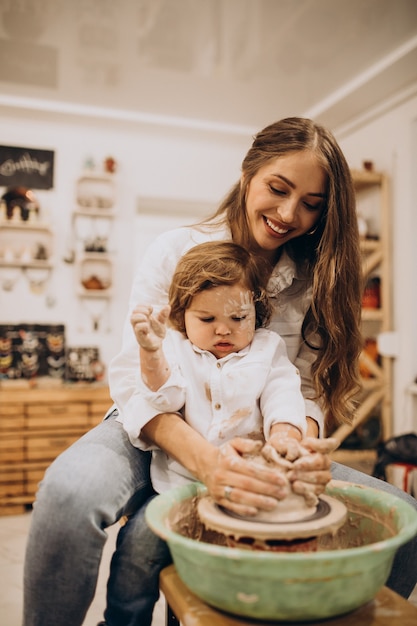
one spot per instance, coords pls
(207, 320)
(237, 318)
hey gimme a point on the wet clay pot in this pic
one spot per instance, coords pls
(347, 570)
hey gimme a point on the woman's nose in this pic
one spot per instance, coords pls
(287, 210)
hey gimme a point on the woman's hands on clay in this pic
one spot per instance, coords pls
(244, 486)
(310, 459)
(240, 484)
(149, 326)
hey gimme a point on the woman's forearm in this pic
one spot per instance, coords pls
(182, 443)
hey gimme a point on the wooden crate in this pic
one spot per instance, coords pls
(36, 425)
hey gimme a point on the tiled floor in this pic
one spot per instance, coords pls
(13, 531)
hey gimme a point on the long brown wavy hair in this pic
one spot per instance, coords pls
(330, 256)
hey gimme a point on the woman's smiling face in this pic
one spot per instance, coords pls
(285, 199)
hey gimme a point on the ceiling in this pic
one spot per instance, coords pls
(232, 63)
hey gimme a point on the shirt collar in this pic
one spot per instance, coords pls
(224, 358)
(284, 273)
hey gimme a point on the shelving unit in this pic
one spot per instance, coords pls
(95, 269)
(25, 244)
(91, 230)
(25, 250)
(375, 395)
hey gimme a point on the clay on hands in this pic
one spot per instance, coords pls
(149, 326)
(285, 455)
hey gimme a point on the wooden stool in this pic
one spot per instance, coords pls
(387, 609)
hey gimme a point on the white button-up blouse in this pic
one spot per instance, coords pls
(289, 290)
(241, 394)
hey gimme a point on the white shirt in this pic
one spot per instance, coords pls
(290, 293)
(241, 394)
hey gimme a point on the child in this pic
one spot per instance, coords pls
(217, 365)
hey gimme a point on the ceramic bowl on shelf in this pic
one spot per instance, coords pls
(287, 586)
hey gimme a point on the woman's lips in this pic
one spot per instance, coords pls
(279, 230)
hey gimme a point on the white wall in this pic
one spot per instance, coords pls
(152, 162)
(390, 141)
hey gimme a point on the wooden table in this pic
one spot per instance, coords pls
(387, 609)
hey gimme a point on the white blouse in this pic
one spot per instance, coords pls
(241, 394)
(290, 293)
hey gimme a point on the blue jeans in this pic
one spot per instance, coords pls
(403, 577)
(88, 488)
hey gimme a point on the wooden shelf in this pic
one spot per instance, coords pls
(375, 396)
(24, 226)
(95, 200)
(37, 424)
(33, 264)
(360, 460)
(94, 213)
(96, 191)
(25, 245)
(363, 179)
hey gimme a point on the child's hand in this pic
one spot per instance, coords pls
(149, 326)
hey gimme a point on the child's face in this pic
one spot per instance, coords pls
(221, 320)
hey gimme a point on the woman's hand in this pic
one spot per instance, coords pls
(246, 486)
(310, 459)
(241, 484)
(149, 327)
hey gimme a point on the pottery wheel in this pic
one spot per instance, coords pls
(326, 517)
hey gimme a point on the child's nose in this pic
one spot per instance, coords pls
(222, 329)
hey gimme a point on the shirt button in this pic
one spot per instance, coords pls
(217, 406)
(219, 365)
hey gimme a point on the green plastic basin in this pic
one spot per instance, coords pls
(291, 586)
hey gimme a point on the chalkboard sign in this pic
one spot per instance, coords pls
(26, 167)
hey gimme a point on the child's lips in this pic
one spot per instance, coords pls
(223, 345)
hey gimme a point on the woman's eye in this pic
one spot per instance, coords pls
(279, 192)
(312, 207)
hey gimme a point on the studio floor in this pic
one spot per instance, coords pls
(13, 533)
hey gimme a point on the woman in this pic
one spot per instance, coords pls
(294, 206)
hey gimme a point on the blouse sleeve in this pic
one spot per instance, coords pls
(313, 407)
(150, 286)
(281, 399)
(169, 398)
